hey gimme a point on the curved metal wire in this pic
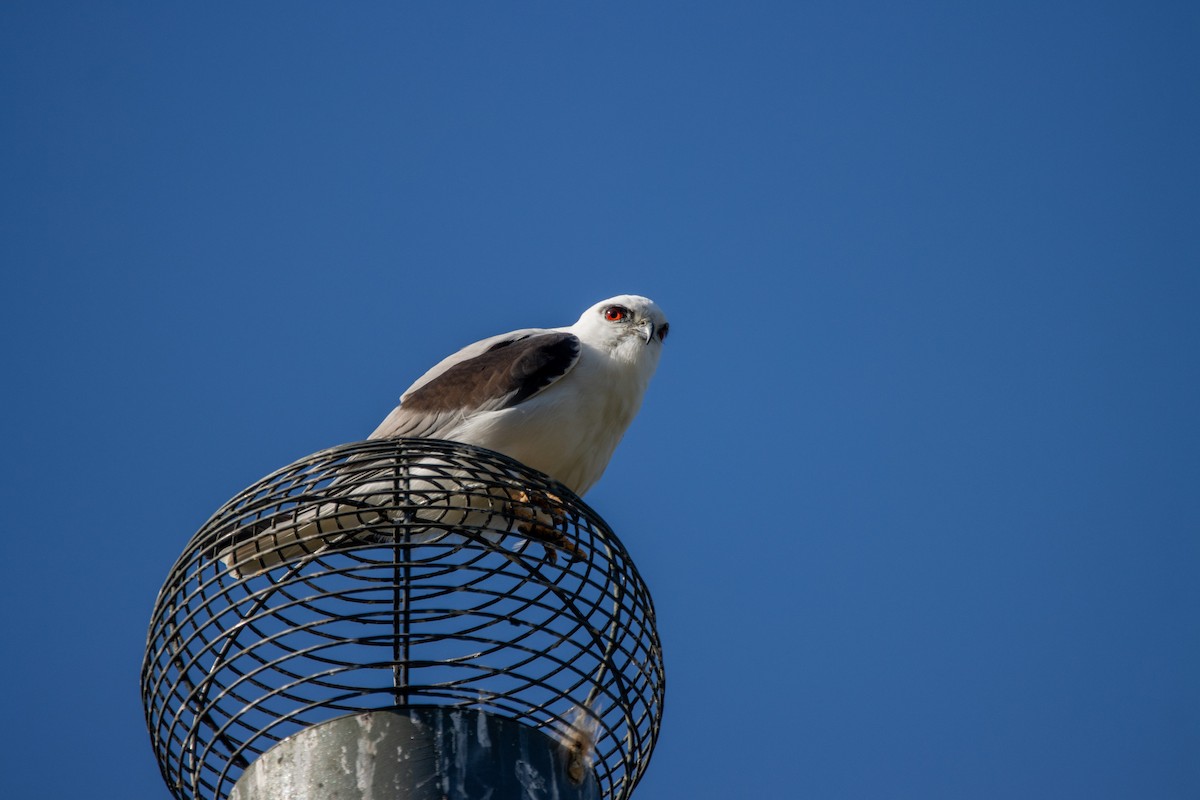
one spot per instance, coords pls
(396, 573)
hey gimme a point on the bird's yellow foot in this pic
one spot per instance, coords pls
(525, 506)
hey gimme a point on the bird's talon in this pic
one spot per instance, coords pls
(524, 507)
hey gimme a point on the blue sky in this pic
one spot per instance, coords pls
(915, 488)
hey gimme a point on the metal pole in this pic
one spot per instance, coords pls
(425, 753)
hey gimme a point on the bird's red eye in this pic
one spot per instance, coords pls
(615, 313)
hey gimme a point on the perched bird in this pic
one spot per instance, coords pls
(556, 399)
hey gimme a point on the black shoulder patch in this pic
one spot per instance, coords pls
(509, 371)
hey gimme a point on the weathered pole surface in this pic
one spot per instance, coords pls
(426, 753)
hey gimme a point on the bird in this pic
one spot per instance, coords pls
(558, 400)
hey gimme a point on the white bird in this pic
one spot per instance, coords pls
(557, 400)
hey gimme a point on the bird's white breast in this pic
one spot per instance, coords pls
(570, 430)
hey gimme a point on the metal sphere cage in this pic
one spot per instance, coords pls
(393, 574)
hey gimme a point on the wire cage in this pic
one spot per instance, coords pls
(398, 574)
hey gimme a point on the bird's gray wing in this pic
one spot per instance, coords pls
(488, 375)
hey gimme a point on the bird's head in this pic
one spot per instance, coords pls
(629, 325)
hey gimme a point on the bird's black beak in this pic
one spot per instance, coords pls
(647, 330)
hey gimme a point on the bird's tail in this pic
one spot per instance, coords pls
(432, 508)
(308, 532)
